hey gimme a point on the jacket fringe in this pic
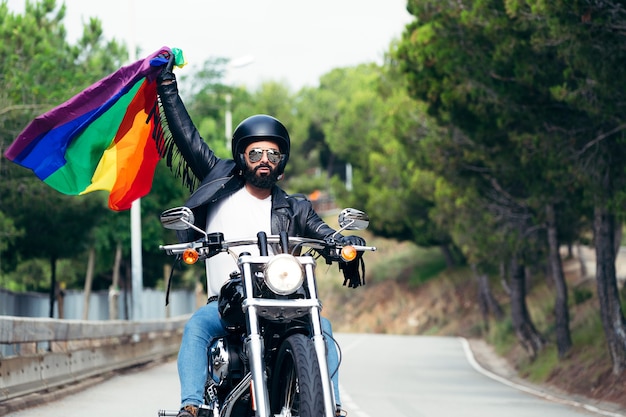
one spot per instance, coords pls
(166, 147)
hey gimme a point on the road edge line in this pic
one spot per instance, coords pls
(474, 363)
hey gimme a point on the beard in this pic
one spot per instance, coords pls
(266, 181)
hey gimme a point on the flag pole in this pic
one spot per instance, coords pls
(135, 209)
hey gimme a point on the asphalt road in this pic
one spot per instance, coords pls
(407, 376)
(381, 375)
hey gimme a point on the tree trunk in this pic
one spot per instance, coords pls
(503, 279)
(494, 306)
(53, 285)
(524, 328)
(610, 309)
(127, 280)
(114, 290)
(483, 305)
(561, 311)
(60, 296)
(457, 254)
(89, 281)
(618, 238)
(488, 304)
(582, 261)
(528, 277)
(448, 256)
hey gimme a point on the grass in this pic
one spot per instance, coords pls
(540, 369)
(501, 335)
(429, 267)
(418, 264)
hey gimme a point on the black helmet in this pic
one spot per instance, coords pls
(257, 128)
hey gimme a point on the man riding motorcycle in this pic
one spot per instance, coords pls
(237, 197)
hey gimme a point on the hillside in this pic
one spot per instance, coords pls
(447, 305)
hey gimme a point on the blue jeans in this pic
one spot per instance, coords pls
(204, 326)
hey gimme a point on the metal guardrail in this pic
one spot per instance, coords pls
(51, 353)
(152, 301)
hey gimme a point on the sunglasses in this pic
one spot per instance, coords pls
(273, 155)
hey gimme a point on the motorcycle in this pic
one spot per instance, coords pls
(273, 361)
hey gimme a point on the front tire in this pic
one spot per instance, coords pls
(296, 388)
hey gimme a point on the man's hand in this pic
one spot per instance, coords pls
(167, 75)
(352, 240)
(353, 271)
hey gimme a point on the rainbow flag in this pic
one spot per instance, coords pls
(104, 138)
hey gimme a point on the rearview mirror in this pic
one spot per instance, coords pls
(353, 219)
(177, 218)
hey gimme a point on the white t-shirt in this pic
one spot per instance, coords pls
(239, 216)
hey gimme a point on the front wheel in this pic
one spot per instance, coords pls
(296, 388)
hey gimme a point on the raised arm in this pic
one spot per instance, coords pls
(199, 158)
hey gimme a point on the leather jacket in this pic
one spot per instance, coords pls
(220, 178)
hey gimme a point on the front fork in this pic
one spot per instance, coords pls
(256, 351)
(320, 349)
(254, 344)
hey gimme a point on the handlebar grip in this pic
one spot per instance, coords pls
(262, 237)
(176, 248)
(364, 248)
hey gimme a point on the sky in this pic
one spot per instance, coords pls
(289, 41)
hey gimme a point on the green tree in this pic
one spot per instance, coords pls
(362, 116)
(313, 163)
(205, 94)
(8, 234)
(530, 88)
(40, 69)
(480, 75)
(55, 225)
(587, 37)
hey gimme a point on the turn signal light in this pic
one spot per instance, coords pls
(190, 256)
(348, 253)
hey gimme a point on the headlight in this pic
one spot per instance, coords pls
(283, 274)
